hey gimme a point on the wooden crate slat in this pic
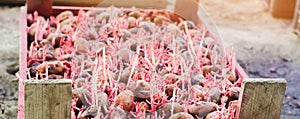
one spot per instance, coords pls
(261, 98)
(123, 3)
(283, 8)
(12, 2)
(48, 99)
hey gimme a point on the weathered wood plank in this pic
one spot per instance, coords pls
(43, 7)
(102, 3)
(188, 13)
(283, 8)
(136, 3)
(12, 2)
(261, 98)
(296, 20)
(49, 99)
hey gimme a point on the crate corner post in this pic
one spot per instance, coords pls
(261, 98)
(48, 99)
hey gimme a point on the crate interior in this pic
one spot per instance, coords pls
(56, 10)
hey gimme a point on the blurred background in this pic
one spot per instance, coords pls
(263, 34)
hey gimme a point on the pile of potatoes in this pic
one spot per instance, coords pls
(130, 63)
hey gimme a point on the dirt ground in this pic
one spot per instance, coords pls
(265, 47)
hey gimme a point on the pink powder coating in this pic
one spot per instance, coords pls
(22, 61)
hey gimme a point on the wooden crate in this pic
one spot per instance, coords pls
(195, 13)
(296, 17)
(283, 8)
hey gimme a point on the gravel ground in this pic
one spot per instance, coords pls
(9, 51)
(265, 47)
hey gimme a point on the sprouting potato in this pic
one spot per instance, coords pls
(71, 22)
(109, 28)
(103, 102)
(206, 70)
(58, 51)
(131, 22)
(181, 115)
(124, 75)
(234, 104)
(67, 57)
(83, 98)
(198, 92)
(133, 45)
(160, 19)
(49, 54)
(96, 45)
(32, 30)
(234, 93)
(82, 95)
(201, 109)
(165, 109)
(56, 39)
(140, 72)
(65, 28)
(180, 43)
(103, 16)
(213, 115)
(79, 82)
(173, 29)
(126, 34)
(215, 95)
(135, 14)
(207, 41)
(90, 112)
(117, 113)
(170, 78)
(140, 89)
(134, 30)
(125, 100)
(232, 76)
(45, 43)
(216, 68)
(162, 70)
(189, 24)
(170, 90)
(198, 79)
(188, 57)
(64, 15)
(54, 76)
(125, 54)
(146, 18)
(54, 67)
(147, 26)
(81, 45)
(33, 68)
(143, 106)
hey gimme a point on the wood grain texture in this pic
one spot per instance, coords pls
(261, 98)
(12, 2)
(136, 3)
(49, 99)
(296, 20)
(187, 9)
(283, 8)
(102, 3)
(43, 7)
